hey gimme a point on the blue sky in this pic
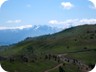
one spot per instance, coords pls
(56, 13)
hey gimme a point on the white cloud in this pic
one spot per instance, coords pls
(53, 22)
(62, 22)
(94, 3)
(71, 22)
(87, 21)
(14, 21)
(2, 2)
(19, 27)
(67, 5)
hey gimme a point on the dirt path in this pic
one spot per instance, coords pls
(83, 67)
(54, 68)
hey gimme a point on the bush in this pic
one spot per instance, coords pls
(61, 69)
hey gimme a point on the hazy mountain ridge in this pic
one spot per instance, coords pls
(10, 36)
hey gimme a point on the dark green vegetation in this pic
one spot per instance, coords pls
(39, 54)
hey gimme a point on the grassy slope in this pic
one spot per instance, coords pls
(40, 66)
(70, 40)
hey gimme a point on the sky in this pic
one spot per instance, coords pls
(19, 14)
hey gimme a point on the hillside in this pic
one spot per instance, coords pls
(74, 49)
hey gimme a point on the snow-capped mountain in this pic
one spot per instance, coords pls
(9, 36)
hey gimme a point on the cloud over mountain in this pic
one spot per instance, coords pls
(71, 22)
(19, 27)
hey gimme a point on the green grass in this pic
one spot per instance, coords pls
(69, 40)
(68, 68)
(87, 57)
(39, 66)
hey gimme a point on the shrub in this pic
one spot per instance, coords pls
(61, 69)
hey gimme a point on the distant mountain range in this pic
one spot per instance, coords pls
(9, 36)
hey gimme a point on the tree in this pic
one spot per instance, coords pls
(46, 56)
(61, 69)
(50, 56)
(91, 37)
(68, 47)
(11, 60)
(85, 47)
(30, 49)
